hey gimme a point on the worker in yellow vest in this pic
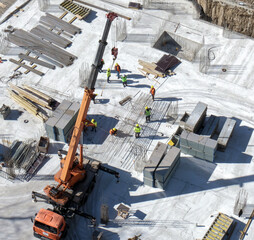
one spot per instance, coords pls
(137, 130)
(94, 127)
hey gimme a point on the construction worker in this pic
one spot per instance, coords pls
(101, 65)
(108, 75)
(118, 69)
(113, 131)
(124, 80)
(114, 52)
(94, 127)
(152, 91)
(137, 130)
(148, 113)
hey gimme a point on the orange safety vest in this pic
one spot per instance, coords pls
(152, 91)
(118, 68)
(112, 132)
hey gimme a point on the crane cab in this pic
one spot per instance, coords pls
(49, 225)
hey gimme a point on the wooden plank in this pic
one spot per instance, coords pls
(46, 58)
(37, 61)
(45, 33)
(26, 67)
(53, 26)
(39, 93)
(30, 96)
(150, 67)
(21, 39)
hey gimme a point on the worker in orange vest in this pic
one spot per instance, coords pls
(152, 91)
(118, 69)
(113, 131)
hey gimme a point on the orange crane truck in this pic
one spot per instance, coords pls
(77, 175)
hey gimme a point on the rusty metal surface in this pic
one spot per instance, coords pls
(166, 63)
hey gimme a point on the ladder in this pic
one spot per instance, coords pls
(219, 229)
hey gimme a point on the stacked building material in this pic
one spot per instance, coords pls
(198, 146)
(161, 166)
(149, 169)
(4, 111)
(50, 36)
(226, 133)
(60, 125)
(167, 167)
(22, 156)
(211, 126)
(166, 63)
(196, 118)
(32, 42)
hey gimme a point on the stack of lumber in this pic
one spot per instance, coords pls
(34, 95)
(50, 36)
(31, 42)
(149, 68)
(55, 22)
(25, 103)
(166, 63)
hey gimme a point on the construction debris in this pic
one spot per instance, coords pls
(4, 111)
(136, 237)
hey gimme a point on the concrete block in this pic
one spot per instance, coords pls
(183, 138)
(196, 118)
(167, 164)
(148, 182)
(201, 143)
(209, 158)
(193, 140)
(210, 146)
(148, 172)
(200, 155)
(162, 185)
(226, 133)
(185, 149)
(157, 155)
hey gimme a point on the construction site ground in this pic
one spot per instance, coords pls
(198, 190)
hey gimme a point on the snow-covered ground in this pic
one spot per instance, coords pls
(198, 190)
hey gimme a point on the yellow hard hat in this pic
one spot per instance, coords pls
(108, 69)
(137, 125)
(92, 120)
(116, 64)
(152, 86)
(114, 129)
(146, 107)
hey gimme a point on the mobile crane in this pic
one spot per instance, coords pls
(77, 175)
